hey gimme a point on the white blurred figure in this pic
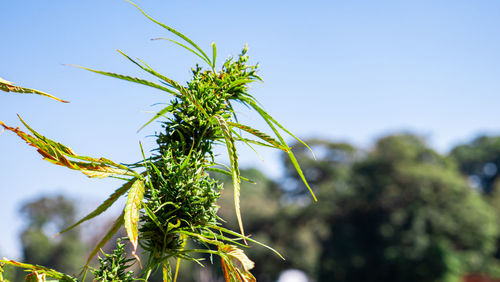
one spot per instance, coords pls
(293, 275)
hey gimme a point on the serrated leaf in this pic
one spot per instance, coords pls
(173, 83)
(157, 115)
(269, 119)
(228, 173)
(35, 277)
(128, 78)
(187, 48)
(153, 72)
(131, 216)
(185, 38)
(271, 122)
(275, 143)
(114, 228)
(235, 172)
(105, 205)
(8, 86)
(40, 270)
(236, 265)
(62, 155)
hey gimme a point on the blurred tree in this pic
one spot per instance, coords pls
(480, 161)
(45, 217)
(409, 217)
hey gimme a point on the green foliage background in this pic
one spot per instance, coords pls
(398, 212)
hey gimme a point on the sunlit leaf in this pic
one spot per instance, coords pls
(214, 54)
(129, 78)
(173, 83)
(35, 277)
(59, 154)
(235, 172)
(185, 38)
(228, 173)
(270, 119)
(153, 72)
(187, 48)
(40, 270)
(236, 264)
(8, 86)
(275, 143)
(135, 196)
(158, 115)
(271, 122)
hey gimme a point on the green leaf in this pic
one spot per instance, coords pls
(128, 78)
(269, 120)
(301, 174)
(251, 141)
(188, 95)
(135, 196)
(114, 228)
(160, 76)
(240, 138)
(105, 205)
(228, 173)
(157, 115)
(214, 54)
(186, 47)
(235, 172)
(275, 143)
(185, 38)
(153, 217)
(8, 86)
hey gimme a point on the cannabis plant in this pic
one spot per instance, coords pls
(113, 267)
(171, 197)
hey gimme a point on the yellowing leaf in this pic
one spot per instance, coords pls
(39, 270)
(8, 86)
(131, 217)
(35, 277)
(62, 155)
(236, 265)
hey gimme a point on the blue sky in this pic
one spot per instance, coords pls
(345, 70)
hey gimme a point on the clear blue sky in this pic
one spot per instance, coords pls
(346, 70)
